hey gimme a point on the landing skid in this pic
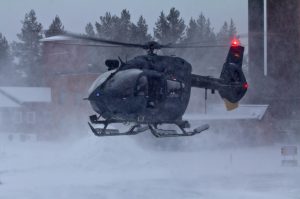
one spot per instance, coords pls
(134, 130)
(142, 127)
(173, 133)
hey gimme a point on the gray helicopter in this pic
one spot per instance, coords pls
(151, 90)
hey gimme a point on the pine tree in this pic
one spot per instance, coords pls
(139, 32)
(4, 51)
(176, 25)
(198, 30)
(209, 32)
(6, 65)
(56, 28)
(223, 35)
(89, 30)
(192, 31)
(117, 28)
(162, 29)
(169, 29)
(227, 32)
(232, 32)
(201, 22)
(124, 26)
(139, 35)
(107, 27)
(28, 50)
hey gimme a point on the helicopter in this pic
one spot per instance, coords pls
(152, 90)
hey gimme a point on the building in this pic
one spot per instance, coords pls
(68, 72)
(274, 62)
(25, 110)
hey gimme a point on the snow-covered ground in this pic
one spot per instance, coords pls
(120, 167)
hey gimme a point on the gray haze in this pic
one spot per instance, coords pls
(75, 14)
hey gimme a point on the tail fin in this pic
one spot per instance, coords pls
(233, 77)
(232, 84)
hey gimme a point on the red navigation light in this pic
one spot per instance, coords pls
(235, 42)
(245, 85)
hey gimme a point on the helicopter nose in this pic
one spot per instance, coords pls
(94, 96)
(97, 102)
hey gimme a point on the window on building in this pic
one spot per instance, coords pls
(18, 117)
(1, 117)
(31, 117)
(62, 98)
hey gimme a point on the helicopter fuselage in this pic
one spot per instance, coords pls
(151, 90)
(146, 89)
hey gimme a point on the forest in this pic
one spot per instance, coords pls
(21, 60)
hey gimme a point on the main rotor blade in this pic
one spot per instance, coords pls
(247, 35)
(67, 39)
(85, 44)
(100, 40)
(202, 43)
(82, 40)
(195, 46)
(57, 38)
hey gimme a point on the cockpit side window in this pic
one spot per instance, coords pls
(142, 86)
(174, 88)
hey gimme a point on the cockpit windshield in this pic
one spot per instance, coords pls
(124, 81)
(100, 80)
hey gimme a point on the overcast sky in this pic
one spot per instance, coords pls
(75, 14)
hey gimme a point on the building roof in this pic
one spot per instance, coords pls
(16, 96)
(218, 112)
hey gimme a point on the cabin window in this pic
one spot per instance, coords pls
(142, 86)
(174, 88)
(156, 91)
(152, 88)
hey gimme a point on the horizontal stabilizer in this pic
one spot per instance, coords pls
(218, 112)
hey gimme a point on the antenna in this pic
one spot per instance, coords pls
(122, 62)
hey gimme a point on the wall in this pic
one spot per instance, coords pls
(280, 88)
